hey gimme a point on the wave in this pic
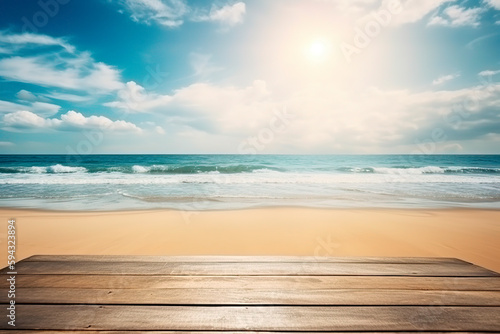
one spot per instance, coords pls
(139, 169)
(55, 169)
(242, 169)
(420, 170)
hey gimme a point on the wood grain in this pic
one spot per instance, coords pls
(257, 282)
(336, 297)
(250, 269)
(210, 259)
(223, 295)
(382, 318)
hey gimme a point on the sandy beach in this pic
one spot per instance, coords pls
(469, 234)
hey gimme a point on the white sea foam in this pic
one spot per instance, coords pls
(36, 170)
(143, 177)
(410, 171)
(140, 169)
(65, 169)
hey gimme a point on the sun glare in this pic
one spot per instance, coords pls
(318, 50)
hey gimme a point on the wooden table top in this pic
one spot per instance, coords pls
(239, 294)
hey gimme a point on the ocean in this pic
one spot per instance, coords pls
(220, 182)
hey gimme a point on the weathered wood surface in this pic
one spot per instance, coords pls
(335, 297)
(257, 318)
(239, 259)
(257, 282)
(174, 295)
(251, 268)
(217, 332)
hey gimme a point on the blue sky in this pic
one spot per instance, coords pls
(255, 76)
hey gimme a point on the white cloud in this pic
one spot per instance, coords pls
(168, 13)
(67, 97)
(413, 10)
(7, 107)
(89, 76)
(228, 15)
(173, 13)
(70, 121)
(25, 119)
(73, 119)
(56, 68)
(40, 108)
(493, 3)
(133, 98)
(25, 95)
(442, 79)
(14, 41)
(6, 143)
(488, 73)
(456, 16)
(44, 109)
(341, 121)
(203, 106)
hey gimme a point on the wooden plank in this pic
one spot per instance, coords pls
(284, 259)
(249, 269)
(208, 332)
(336, 297)
(314, 318)
(256, 282)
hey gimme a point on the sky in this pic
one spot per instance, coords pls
(247, 77)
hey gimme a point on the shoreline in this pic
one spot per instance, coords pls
(470, 234)
(270, 207)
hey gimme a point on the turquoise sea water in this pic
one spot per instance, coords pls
(211, 182)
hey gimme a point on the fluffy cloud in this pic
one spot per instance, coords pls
(341, 121)
(456, 16)
(7, 107)
(387, 121)
(62, 68)
(442, 79)
(40, 108)
(173, 13)
(45, 109)
(25, 120)
(168, 13)
(133, 98)
(203, 106)
(71, 121)
(83, 76)
(494, 3)
(25, 95)
(228, 15)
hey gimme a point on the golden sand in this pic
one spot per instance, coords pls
(469, 234)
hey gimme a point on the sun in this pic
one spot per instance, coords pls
(318, 50)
